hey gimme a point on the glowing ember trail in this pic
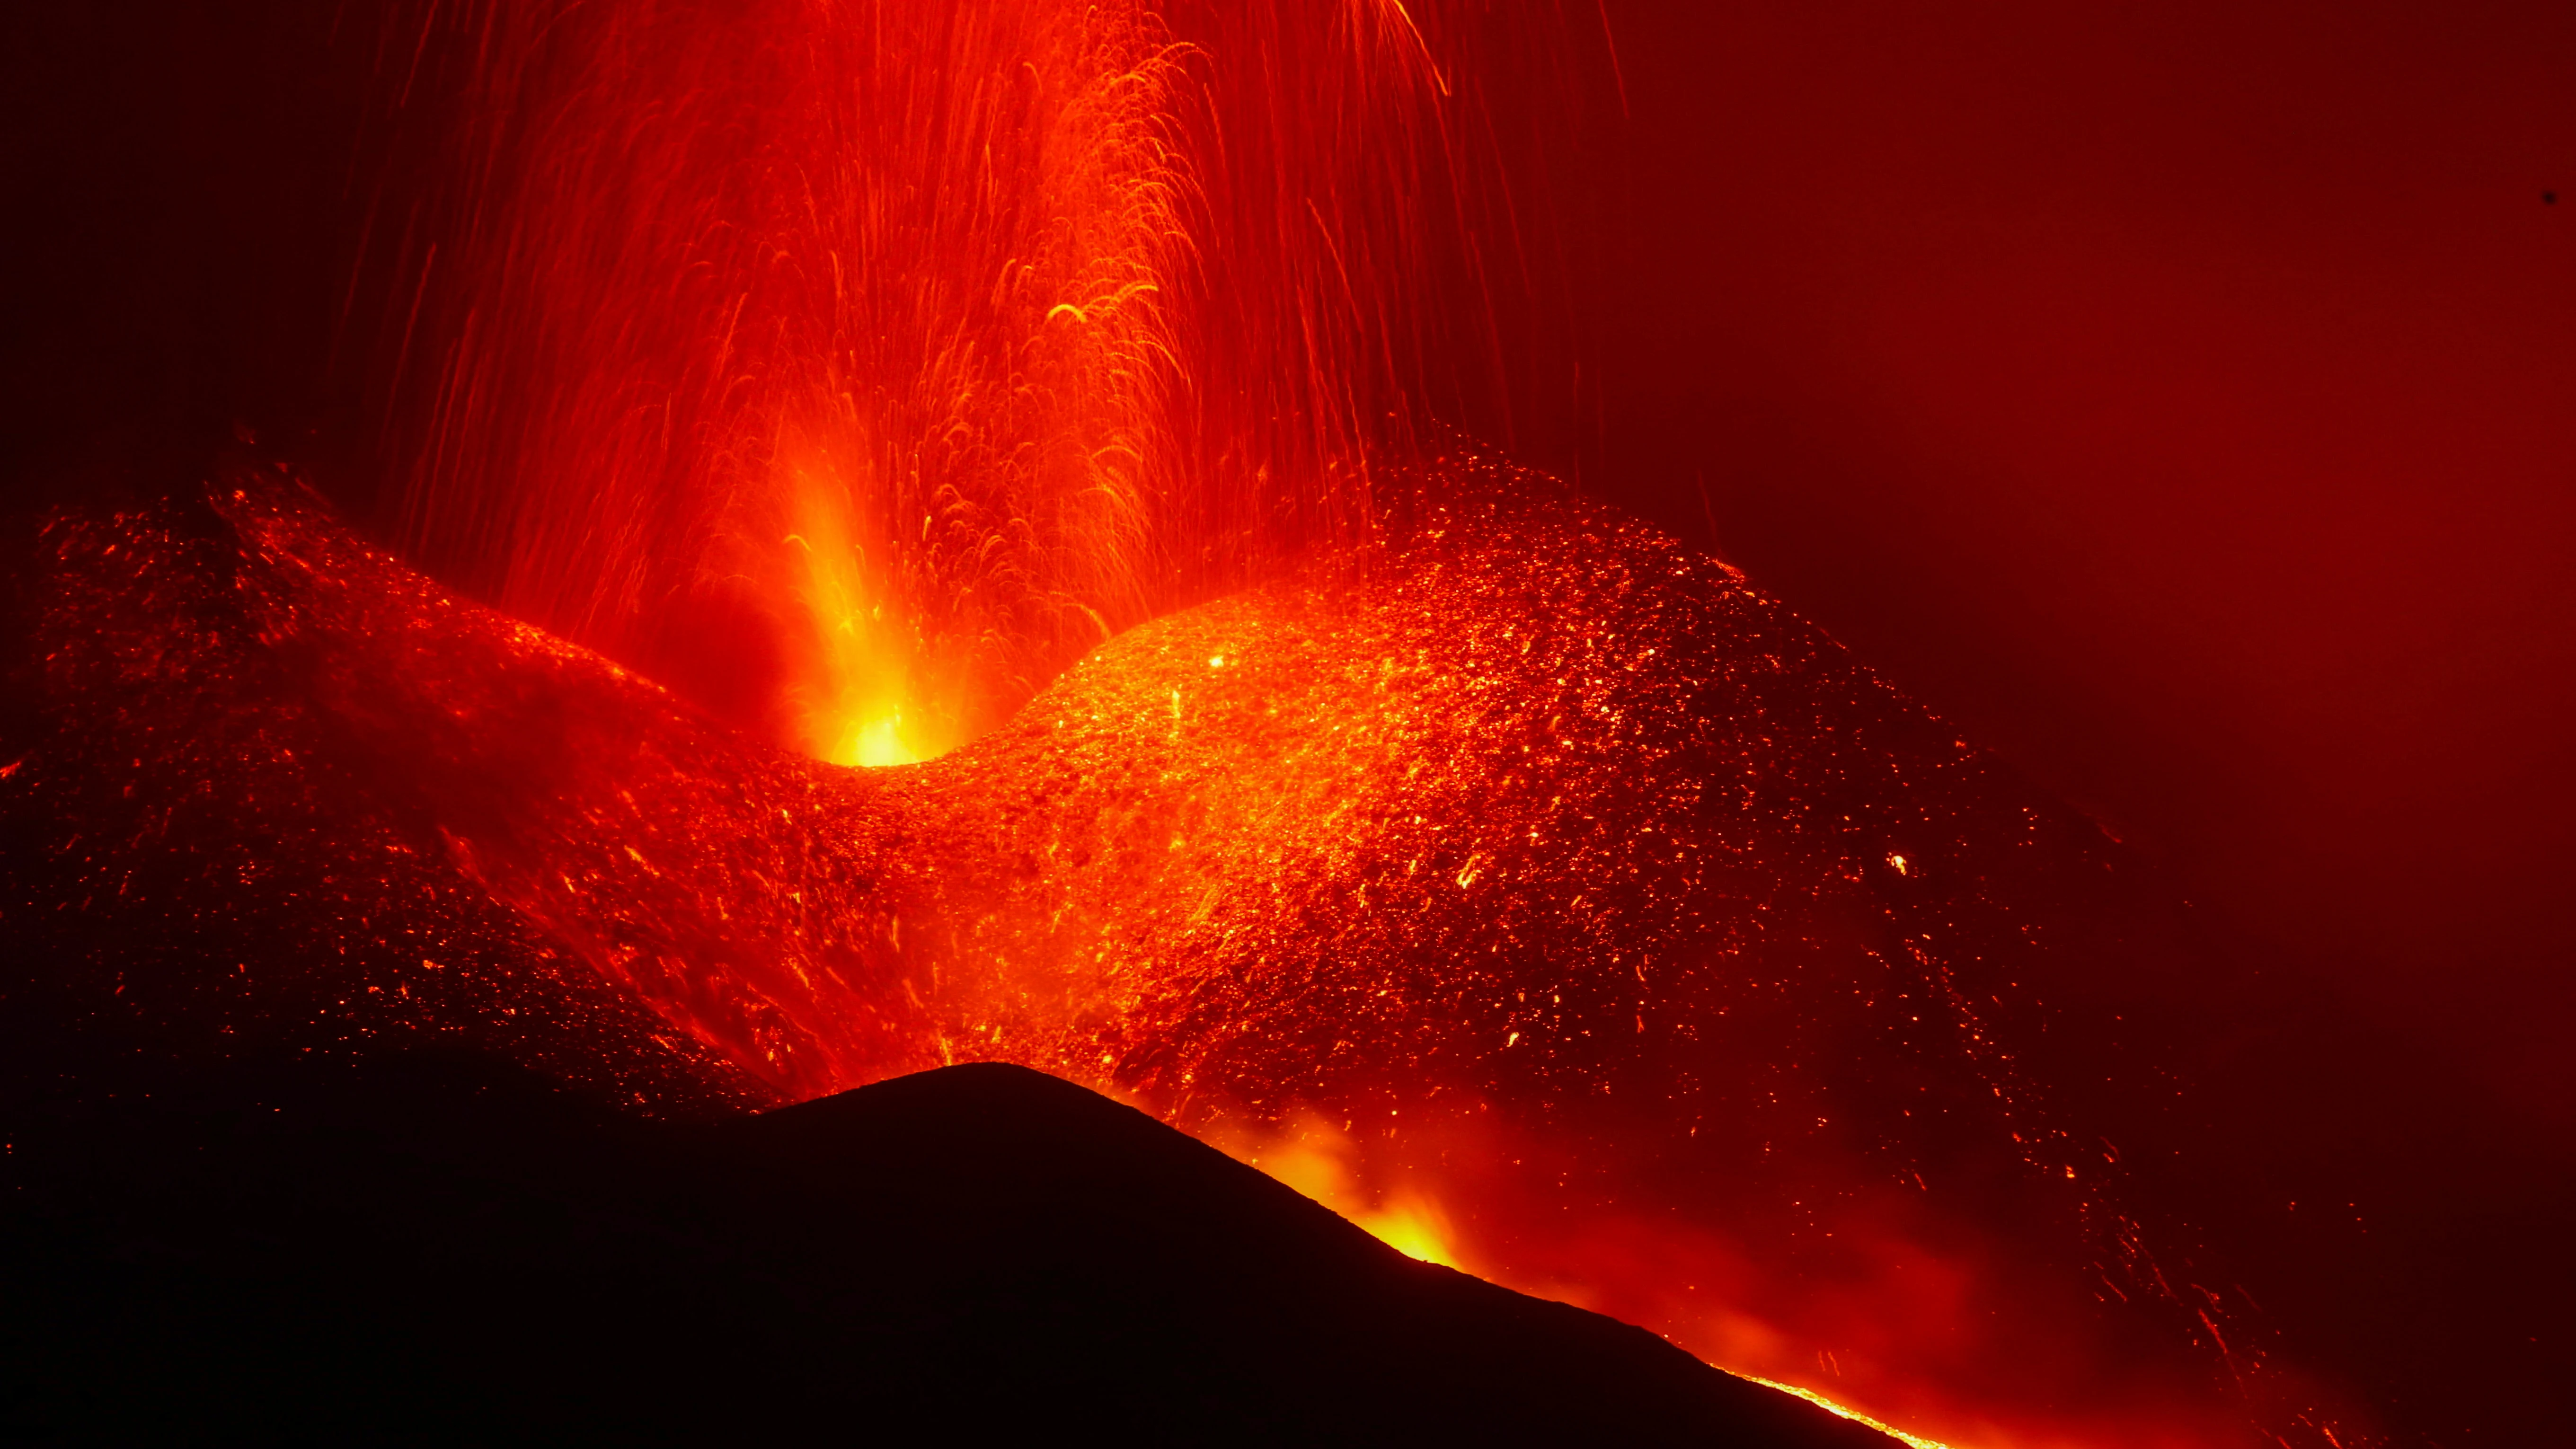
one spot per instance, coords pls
(1022, 396)
(854, 367)
(1811, 1396)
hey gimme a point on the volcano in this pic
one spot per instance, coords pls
(766, 551)
(1528, 886)
(427, 1249)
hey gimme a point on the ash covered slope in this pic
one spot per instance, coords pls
(432, 1250)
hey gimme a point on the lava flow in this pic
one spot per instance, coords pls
(1027, 397)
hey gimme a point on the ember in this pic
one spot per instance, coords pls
(1029, 400)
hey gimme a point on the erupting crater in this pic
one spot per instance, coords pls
(1525, 885)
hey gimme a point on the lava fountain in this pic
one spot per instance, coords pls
(1529, 887)
(1030, 397)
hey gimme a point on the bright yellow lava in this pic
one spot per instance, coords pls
(871, 742)
(1857, 1417)
(848, 676)
(1316, 1159)
(1409, 1230)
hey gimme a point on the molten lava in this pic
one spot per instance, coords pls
(1020, 397)
(856, 367)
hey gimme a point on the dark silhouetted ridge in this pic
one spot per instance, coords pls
(428, 1249)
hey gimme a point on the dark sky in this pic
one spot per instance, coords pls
(2182, 398)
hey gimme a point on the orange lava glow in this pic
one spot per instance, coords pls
(1519, 888)
(857, 366)
(1020, 397)
(1317, 1158)
(1917, 1441)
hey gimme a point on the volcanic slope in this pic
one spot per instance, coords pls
(429, 1249)
(1527, 863)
